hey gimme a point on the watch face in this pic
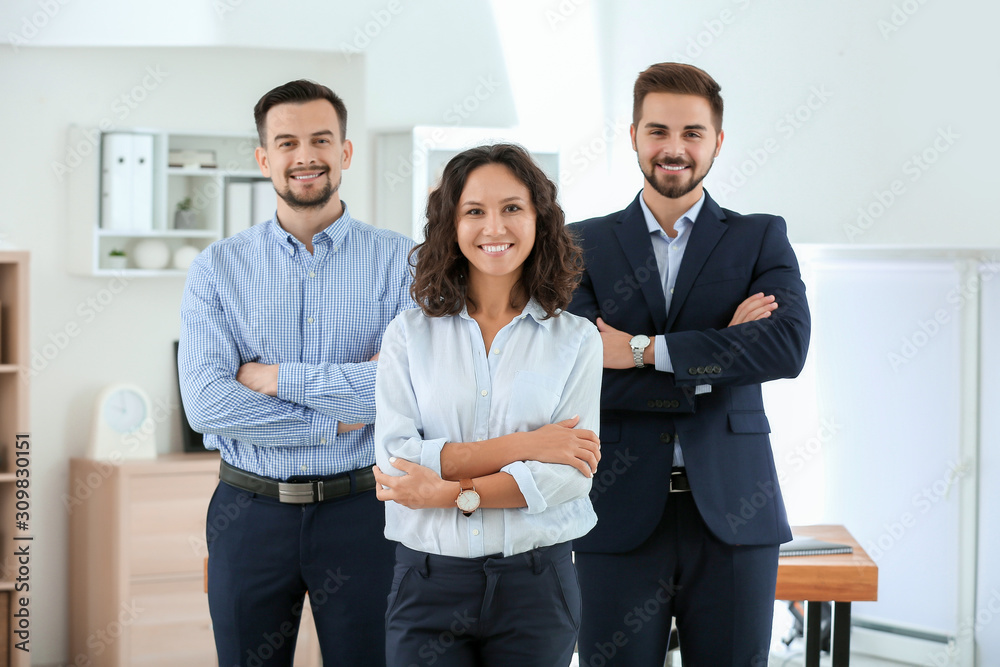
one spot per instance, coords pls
(125, 411)
(639, 341)
(468, 501)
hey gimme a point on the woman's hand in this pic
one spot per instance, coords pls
(419, 488)
(563, 443)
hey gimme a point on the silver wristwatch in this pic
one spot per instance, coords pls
(639, 344)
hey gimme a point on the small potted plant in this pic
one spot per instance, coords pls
(117, 260)
(185, 217)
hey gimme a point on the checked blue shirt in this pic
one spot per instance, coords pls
(260, 296)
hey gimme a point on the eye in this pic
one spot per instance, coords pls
(693, 135)
(474, 211)
(284, 144)
(322, 141)
(511, 208)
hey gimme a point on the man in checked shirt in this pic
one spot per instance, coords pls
(280, 327)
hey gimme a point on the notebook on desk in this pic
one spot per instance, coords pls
(810, 546)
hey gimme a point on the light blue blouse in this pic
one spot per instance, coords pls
(436, 384)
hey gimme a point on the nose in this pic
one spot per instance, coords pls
(493, 224)
(305, 153)
(673, 147)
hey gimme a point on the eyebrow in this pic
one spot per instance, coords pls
(661, 126)
(502, 201)
(321, 133)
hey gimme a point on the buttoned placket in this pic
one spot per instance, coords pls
(485, 366)
(310, 267)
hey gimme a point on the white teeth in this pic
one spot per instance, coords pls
(495, 248)
(302, 178)
(670, 167)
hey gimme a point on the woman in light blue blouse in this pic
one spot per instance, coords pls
(487, 406)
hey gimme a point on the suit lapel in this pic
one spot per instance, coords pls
(705, 234)
(634, 239)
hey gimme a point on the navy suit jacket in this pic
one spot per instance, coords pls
(724, 433)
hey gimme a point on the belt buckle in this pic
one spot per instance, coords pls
(678, 474)
(300, 493)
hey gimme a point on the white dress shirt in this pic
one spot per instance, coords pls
(437, 384)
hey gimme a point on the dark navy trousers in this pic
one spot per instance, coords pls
(263, 557)
(721, 595)
(521, 610)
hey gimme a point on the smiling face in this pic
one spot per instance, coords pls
(495, 225)
(676, 143)
(304, 155)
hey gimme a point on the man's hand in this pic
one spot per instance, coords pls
(563, 443)
(755, 307)
(419, 488)
(262, 378)
(618, 351)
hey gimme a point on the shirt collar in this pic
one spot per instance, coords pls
(335, 233)
(687, 219)
(532, 309)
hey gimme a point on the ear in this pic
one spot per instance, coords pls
(261, 156)
(631, 134)
(345, 160)
(718, 142)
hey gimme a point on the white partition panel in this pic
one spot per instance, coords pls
(986, 623)
(887, 348)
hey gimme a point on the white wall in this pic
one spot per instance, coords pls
(888, 97)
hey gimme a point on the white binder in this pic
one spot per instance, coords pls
(127, 181)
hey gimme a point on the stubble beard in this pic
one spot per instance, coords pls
(319, 200)
(677, 189)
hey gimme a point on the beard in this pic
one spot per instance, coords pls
(318, 199)
(674, 188)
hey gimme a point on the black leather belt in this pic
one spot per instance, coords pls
(679, 481)
(309, 491)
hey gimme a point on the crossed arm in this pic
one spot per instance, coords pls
(618, 352)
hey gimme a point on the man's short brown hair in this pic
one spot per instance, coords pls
(680, 79)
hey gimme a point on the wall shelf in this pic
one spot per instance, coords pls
(99, 183)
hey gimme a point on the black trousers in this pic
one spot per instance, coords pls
(263, 557)
(520, 610)
(721, 595)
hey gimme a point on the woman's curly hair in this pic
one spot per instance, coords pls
(549, 274)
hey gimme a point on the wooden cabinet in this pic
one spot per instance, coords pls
(16, 496)
(137, 545)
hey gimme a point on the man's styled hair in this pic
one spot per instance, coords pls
(297, 92)
(550, 272)
(680, 79)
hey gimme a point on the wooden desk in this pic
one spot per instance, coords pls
(838, 578)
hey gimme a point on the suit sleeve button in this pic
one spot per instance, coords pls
(692, 371)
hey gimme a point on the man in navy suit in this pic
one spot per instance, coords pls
(697, 306)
